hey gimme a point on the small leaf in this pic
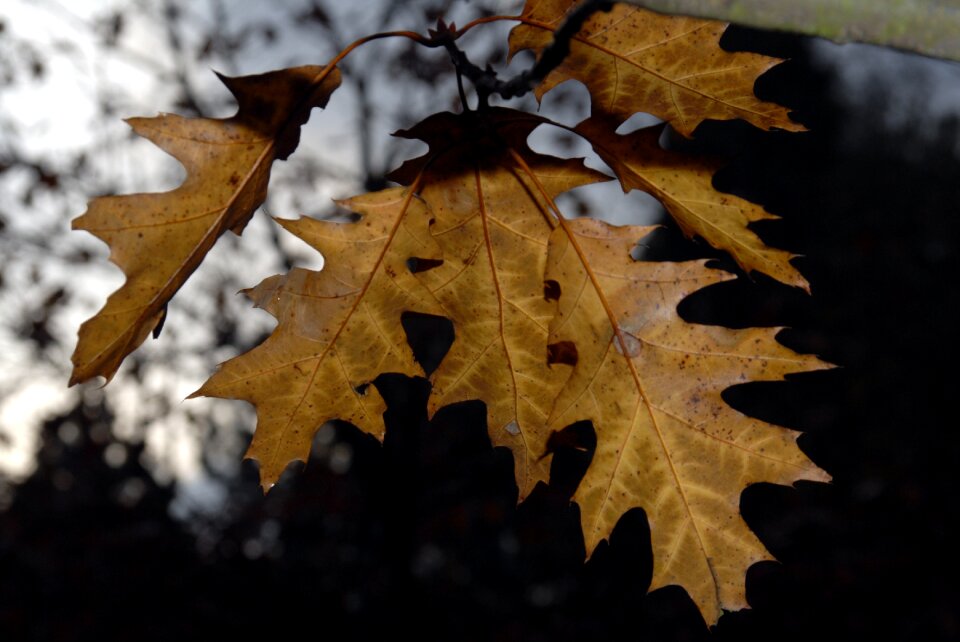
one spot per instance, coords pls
(158, 240)
(684, 184)
(635, 60)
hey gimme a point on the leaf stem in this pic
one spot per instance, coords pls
(485, 81)
(412, 35)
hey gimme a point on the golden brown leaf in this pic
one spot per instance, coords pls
(337, 329)
(684, 184)
(492, 224)
(158, 240)
(651, 384)
(635, 60)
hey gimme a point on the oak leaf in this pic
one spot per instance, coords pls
(337, 329)
(636, 60)
(477, 232)
(158, 240)
(554, 323)
(651, 384)
(683, 183)
(492, 222)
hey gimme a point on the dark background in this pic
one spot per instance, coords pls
(421, 535)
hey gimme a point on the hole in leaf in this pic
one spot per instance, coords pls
(551, 290)
(159, 327)
(422, 265)
(362, 389)
(429, 336)
(562, 352)
(572, 449)
(639, 120)
(579, 436)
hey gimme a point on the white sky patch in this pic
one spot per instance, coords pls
(21, 415)
(51, 115)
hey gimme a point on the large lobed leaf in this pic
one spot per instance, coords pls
(337, 329)
(650, 383)
(158, 240)
(492, 222)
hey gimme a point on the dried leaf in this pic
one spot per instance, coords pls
(635, 60)
(158, 240)
(651, 383)
(337, 329)
(492, 224)
(684, 184)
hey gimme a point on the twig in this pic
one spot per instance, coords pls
(485, 80)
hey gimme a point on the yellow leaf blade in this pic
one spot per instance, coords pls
(651, 384)
(158, 240)
(492, 225)
(684, 184)
(635, 60)
(337, 329)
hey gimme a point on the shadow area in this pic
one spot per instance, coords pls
(420, 535)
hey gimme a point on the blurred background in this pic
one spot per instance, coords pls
(126, 513)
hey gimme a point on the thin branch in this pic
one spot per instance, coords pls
(486, 81)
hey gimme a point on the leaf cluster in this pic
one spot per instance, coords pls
(555, 321)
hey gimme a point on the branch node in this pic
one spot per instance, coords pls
(486, 82)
